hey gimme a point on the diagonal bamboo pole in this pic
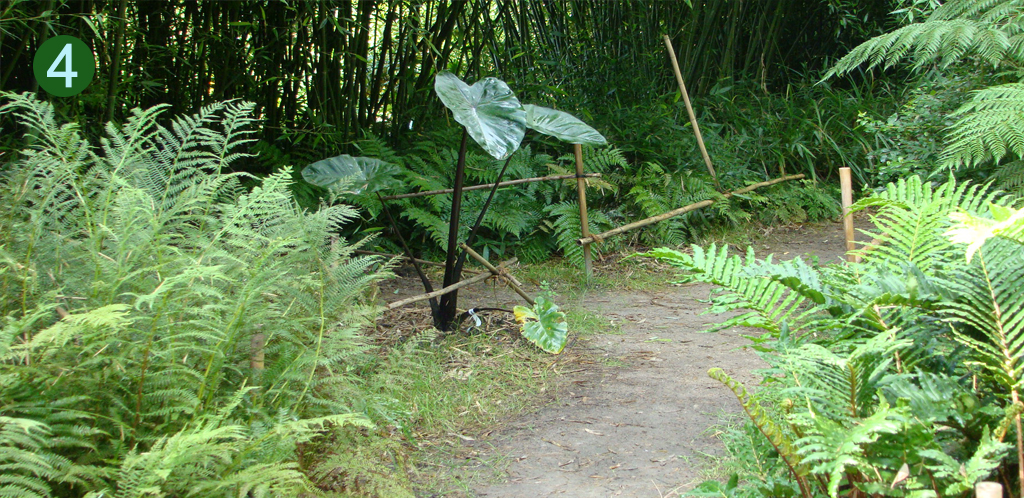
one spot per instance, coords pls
(469, 281)
(497, 273)
(689, 111)
(677, 212)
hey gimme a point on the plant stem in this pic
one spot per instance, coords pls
(434, 310)
(451, 275)
(480, 217)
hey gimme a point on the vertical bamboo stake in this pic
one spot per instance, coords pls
(988, 489)
(257, 343)
(847, 193)
(581, 188)
(689, 111)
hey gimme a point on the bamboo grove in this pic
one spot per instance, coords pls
(340, 68)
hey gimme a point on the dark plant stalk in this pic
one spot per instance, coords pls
(480, 218)
(434, 310)
(451, 275)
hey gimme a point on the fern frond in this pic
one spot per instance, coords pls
(567, 226)
(912, 218)
(772, 306)
(943, 42)
(985, 10)
(991, 303)
(988, 127)
(833, 449)
(778, 439)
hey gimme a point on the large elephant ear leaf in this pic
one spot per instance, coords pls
(489, 110)
(351, 175)
(561, 125)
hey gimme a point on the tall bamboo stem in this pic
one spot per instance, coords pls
(581, 190)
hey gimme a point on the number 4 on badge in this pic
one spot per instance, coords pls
(68, 74)
(64, 66)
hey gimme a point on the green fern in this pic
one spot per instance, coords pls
(912, 218)
(567, 227)
(991, 31)
(764, 423)
(768, 303)
(987, 127)
(128, 368)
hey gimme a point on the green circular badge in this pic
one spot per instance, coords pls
(64, 66)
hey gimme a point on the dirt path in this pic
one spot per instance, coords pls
(640, 419)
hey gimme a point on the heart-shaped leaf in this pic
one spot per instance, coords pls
(489, 110)
(543, 325)
(356, 174)
(561, 125)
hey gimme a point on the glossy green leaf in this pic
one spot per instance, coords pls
(488, 109)
(543, 325)
(561, 125)
(355, 174)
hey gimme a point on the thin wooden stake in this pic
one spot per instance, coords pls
(489, 185)
(469, 281)
(581, 189)
(846, 185)
(496, 272)
(689, 111)
(682, 210)
(256, 345)
(988, 489)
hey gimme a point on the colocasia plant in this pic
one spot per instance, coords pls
(496, 120)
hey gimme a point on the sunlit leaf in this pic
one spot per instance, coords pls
(561, 125)
(488, 109)
(356, 174)
(543, 325)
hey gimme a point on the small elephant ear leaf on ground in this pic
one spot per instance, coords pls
(351, 175)
(543, 325)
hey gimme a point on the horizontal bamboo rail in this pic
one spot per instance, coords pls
(406, 258)
(458, 285)
(682, 210)
(489, 185)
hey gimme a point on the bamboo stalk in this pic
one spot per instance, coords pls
(581, 189)
(846, 185)
(689, 111)
(469, 281)
(682, 210)
(489, 185)
(496, 272)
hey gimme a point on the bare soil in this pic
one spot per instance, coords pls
(638, 418)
